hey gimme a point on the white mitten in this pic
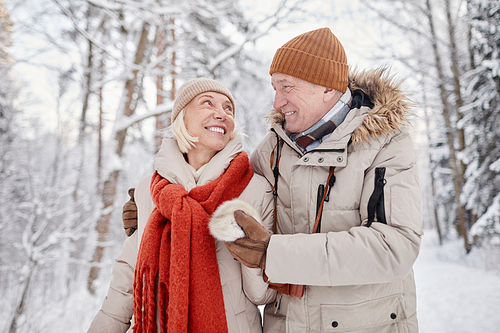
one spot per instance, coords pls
(223, 226)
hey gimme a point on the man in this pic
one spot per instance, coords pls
(347, 196)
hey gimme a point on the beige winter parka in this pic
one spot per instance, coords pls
(358, 278)
(242, 315)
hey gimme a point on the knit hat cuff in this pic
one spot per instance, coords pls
(193, 88)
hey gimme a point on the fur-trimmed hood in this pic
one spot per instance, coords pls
(391, 107)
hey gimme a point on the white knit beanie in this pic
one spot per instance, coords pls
(193, 88)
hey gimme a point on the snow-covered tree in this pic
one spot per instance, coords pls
(482, 116)
(9, 192)
(62, 191)
(434, 58)
(205, 39)
(6, 91)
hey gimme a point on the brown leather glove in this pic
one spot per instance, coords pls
(129, 215)
(250, 250)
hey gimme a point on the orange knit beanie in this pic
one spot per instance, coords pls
(316, 56)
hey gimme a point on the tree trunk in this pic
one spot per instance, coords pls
(21, 306)
(160, 47)
(109, 189)
(161, 43)
(102, 227)
(173, 73)
(83, 117)
(99, 129)
(431, 174)
(457, 182)
(456, 86)
(472, 62)
(102, 70)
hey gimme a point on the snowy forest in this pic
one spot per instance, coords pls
(86, 92)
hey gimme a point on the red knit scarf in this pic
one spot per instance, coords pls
(177, 248)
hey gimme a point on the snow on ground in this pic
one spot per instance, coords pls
(455, 293)
(452, 296)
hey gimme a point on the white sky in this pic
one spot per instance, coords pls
(356, 38)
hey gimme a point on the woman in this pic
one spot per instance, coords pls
(184, 280)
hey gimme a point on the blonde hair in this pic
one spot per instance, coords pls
(185, 140)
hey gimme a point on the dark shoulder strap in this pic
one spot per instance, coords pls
(322, 198)
(376, 201)
(276, 174)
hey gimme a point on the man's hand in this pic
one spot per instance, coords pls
(129, 214)
(251, 249)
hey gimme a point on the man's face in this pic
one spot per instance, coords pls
(302, 103)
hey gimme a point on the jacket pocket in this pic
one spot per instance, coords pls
(275, 315)
(375, 316)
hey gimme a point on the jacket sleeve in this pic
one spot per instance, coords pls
(117, 308)
(258, 194)
(144, 203)
(380, 253)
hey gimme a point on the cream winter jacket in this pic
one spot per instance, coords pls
(358, 278)
(242, 315)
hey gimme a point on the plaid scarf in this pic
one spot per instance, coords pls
(326, 125)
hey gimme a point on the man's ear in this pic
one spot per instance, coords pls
(331, 94)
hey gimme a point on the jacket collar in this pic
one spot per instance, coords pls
(390, 112)
(171, 164)
(337, 141)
